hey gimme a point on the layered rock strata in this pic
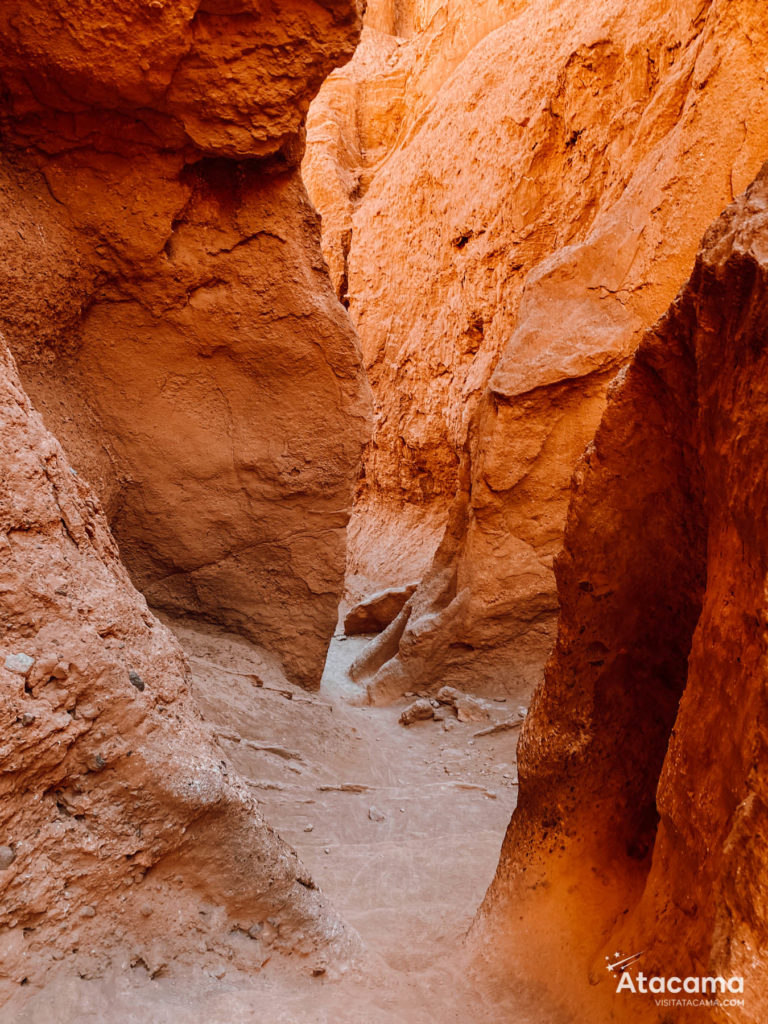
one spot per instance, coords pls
(509, 245)
(166, 298)
(643, 800)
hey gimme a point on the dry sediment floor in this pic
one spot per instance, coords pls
(400, 827)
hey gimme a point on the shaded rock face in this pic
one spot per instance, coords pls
(166, 299)
(377, 611)
(511, 239)
(109, 781)
(642, 799)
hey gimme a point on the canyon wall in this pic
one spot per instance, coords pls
(510, 241)
(367, 111)
(643, 805)
(166, 299)
(118, 814)
(166, 305)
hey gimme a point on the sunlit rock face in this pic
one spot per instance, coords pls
(508, 203)
(167, 302)
(642, 811)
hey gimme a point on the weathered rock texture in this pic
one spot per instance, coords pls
(376, 612)
(643, 805)
(118, 814)
(510, 241)
(165, 296)
(365, 112)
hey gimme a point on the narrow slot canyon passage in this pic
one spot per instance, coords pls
(383, 603)
(399, 827)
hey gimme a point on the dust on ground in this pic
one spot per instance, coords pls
(400, 827)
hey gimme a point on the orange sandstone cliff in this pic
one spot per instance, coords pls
(532, 208)
(166, 300)
(643, 808)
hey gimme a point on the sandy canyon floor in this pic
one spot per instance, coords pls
(400, 827)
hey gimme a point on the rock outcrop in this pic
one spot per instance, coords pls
(117, 812)
(166, 299)
(643, 803)
(376, 612)
(509, 245)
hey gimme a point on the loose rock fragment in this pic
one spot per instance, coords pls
(7, 857)
(468, 709)
(512, 723)
(136, 680)
(19, 663)
(376, 815)
(448, 695)
(418, 711)
(345, 787)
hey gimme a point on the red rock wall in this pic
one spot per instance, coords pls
(505, 258)
(117, 812)
(642, 811)
(162, 288)
(167, 301)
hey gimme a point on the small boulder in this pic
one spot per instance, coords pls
(448, 695)
(420, 710)
(7, 857)
(376, 815)
(468, 709)
(375, 613)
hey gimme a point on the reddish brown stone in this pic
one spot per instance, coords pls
(642, 809)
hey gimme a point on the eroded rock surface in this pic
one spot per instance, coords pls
(642, 810)
(118, 813)
(165, 296)
(377, 611)
(517, 220)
